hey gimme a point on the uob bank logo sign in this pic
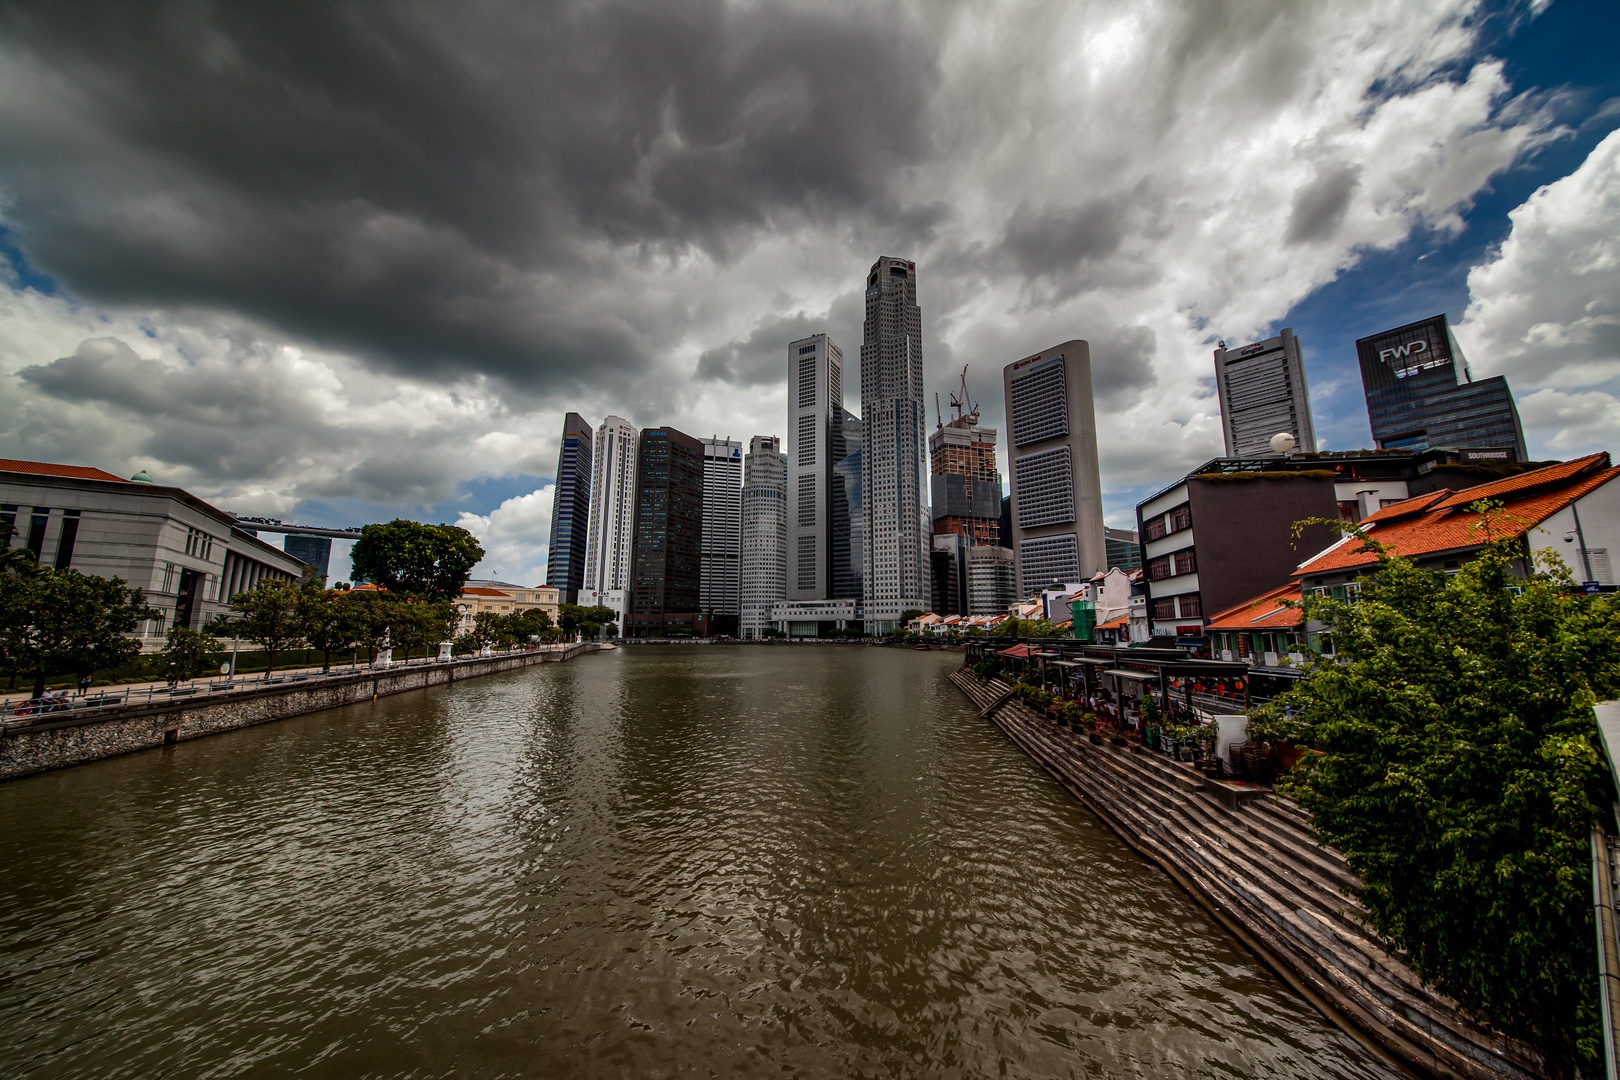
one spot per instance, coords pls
(1408, 359)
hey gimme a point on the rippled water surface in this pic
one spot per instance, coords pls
(743, 861)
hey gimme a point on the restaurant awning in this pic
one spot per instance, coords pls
(1139, 676)
(1064, 663)
(1017, 652)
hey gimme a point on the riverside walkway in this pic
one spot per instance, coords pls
(123, 723)
(1256, 865)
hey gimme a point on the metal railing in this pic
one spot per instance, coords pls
(16, 715)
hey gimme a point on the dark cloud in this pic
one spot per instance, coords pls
(1320, 206)
(457, 188)
(761, 359)
(1054, 240)
(1122, 361)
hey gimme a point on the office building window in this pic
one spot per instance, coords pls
(1164, 607)
(36, 530)
(1186, 563)
(1040, 405)
(807, 562)
(1154, 530)
(1190, 606)
(807, 382)
(1045, 485)
(199, 544)
(1180, 518)
(807, 501)
(807, 439)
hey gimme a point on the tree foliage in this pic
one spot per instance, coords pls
(62, 620)
(267, 615)
(585, 621)
(364, 616)
(406, 556)
(320, 620)
(186, 653)
(1461, 777)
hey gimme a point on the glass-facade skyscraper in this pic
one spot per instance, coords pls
(570, 511)
(1420, 393)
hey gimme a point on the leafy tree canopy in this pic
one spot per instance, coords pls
(64, 620)
(1461, 778)
(407, 556)
(267, 615)
(187, 653)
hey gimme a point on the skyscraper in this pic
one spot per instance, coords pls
(1262, 391)
(570, 510)
(667, 558)
(720, 588)
(764, 533)
(846, 524)
(815, 409)
(1057, 517)
(894, 482)
(1416, 400)
(966, 488)
(613, 514)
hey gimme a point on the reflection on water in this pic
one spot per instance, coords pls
(663, 861)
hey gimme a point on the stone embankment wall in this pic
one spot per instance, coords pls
(54, 745)
(1255, 864)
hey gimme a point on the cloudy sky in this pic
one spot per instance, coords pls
(337, 263)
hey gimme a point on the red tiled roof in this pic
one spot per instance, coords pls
(45, 468)
(1263, 612)
(1114, 624)
(1497, 489)
(1018, 652)
(477, 590)
(1407, 507)
(1449, 525)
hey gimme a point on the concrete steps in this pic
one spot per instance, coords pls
(1260, 869)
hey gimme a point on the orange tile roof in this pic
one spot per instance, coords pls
(1534, 478)
(1264, 612)
(45, 468)
(1449, 525)
(1114, 624)
(478, 590)
(1407, 507)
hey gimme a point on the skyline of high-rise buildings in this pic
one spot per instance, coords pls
(720, 585)
(1057, 517)
(1262, 392)
(815, 373)
(894, 464)
(1421, 395)
(763, 536)
(612, 517)
(570, 510)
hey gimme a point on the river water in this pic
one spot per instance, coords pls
(663, 861)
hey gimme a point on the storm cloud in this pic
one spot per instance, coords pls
(375, 251)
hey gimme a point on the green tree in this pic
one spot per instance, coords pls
(320, 620)
(62, 620)
(486, 629)
(1461, 778)
(407, 556)
(1034, 628)
(187, 652)
(267, 615)
(364, 615)
(421, 623)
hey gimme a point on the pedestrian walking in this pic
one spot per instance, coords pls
(84, 685)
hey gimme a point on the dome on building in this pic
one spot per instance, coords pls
(142, 477)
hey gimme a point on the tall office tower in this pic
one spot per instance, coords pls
(845, 506)
(313, 551)
(1262, 390)
(815, 407)
(667, 555)
(570, 511)
(764, 534)
(1415, 399)
(894, 480)
(1057, 517)
(613, 516)
(720, 592)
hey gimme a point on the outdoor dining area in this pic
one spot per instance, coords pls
(1162, 698)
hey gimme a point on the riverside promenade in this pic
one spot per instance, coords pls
(1255, 864)
(144, 718)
